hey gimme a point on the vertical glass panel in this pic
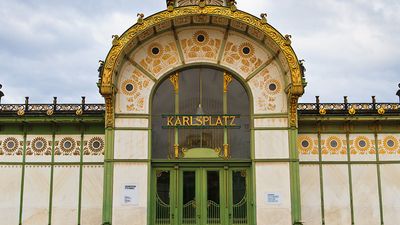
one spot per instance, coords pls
(239, 192)
(189, 198)
(163, 207)
(213, 198)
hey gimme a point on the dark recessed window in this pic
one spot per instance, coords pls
(155, 50)
(272, 87)
(246, 50)
(96, 144)
(390, 143)
(334, 144)
(10, 144)
(304, 144)
(362, 143)
(67, 144)
(200, 38)
(129, 87)
(39, 144)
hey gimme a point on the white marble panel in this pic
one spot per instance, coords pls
(36, 195)
(10, 188)
(365, 194)
(333, 147)
(271, 122)
(65, 195)
(359, 152)
(389, 147)
(273, 178)
(390, 184)
(131, 144)
(310, 194)
(92, 195)
(271, 144)
(130, 173)
(131, 122)
(336, 195)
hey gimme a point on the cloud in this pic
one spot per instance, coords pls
(51, 48)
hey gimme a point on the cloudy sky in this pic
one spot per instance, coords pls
(52, 47)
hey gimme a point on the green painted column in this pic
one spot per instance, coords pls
(294, 176)
(108, 176)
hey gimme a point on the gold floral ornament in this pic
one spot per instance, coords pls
(39, 146)
(322, 111)
(79, 112)
(305, 145)
(50, 112)
(352, 111)
(135, 89)
(362, 146)
(21, 111)
(391, 144)
(201, 46)
(10, 145)
(381, 111)
(96, 145)
(335, 146)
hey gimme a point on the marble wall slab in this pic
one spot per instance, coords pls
(92, 195)
(390, 193)
(10, 188)
(310, 195)
(131, 144)
(270, 144)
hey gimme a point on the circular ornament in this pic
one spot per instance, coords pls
(362, 144)
(334, 144)
(246, 50)
(10, 145)
(273, 86)
(39, 145)
(305, 144)
(129, 87)
(201, 37)
(391, 144)
(96, 145)
(67, 145)
(155, 50)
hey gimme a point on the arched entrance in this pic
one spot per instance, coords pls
(200, 149)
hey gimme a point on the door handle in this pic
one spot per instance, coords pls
(198, 216)
(172, 216)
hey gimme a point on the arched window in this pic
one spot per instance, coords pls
(198, 112)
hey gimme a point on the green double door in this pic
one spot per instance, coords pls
(200, 196)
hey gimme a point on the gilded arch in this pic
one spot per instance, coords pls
(121, 45)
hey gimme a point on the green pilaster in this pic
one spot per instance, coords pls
(53, 137)
(350, 177)
(21, 198)
(108, 176)
(321, 179)
(294, 176)
(378, 172)
(80, 177)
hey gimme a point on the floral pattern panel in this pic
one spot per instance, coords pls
(268, 91)
(201, 45)
(133, 91)
(243, 55)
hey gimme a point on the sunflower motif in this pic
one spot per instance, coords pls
(246, 50)
(96, 145)
(305, 144)
(155, 50)
(334, 144)
(273, 86)
(129, 87)
(10, 145)
(362, 144)
(39, 145)
(67, 145)
(200, 37)
(391, 144)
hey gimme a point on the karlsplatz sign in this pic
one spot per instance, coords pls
(201, 121)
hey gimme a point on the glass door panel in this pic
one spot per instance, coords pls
(162, 198)
(213, 197)
(239, 197)
(189, 204)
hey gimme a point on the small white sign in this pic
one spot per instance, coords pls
(130, 194)
(273, 198)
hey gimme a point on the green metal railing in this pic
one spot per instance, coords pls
(163, 212)
(213, 213)
(189, 213)
(240, 211)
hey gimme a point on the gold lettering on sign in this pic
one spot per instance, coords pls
(196, 121)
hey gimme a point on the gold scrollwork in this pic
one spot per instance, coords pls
(175, 82)
(227, 81)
